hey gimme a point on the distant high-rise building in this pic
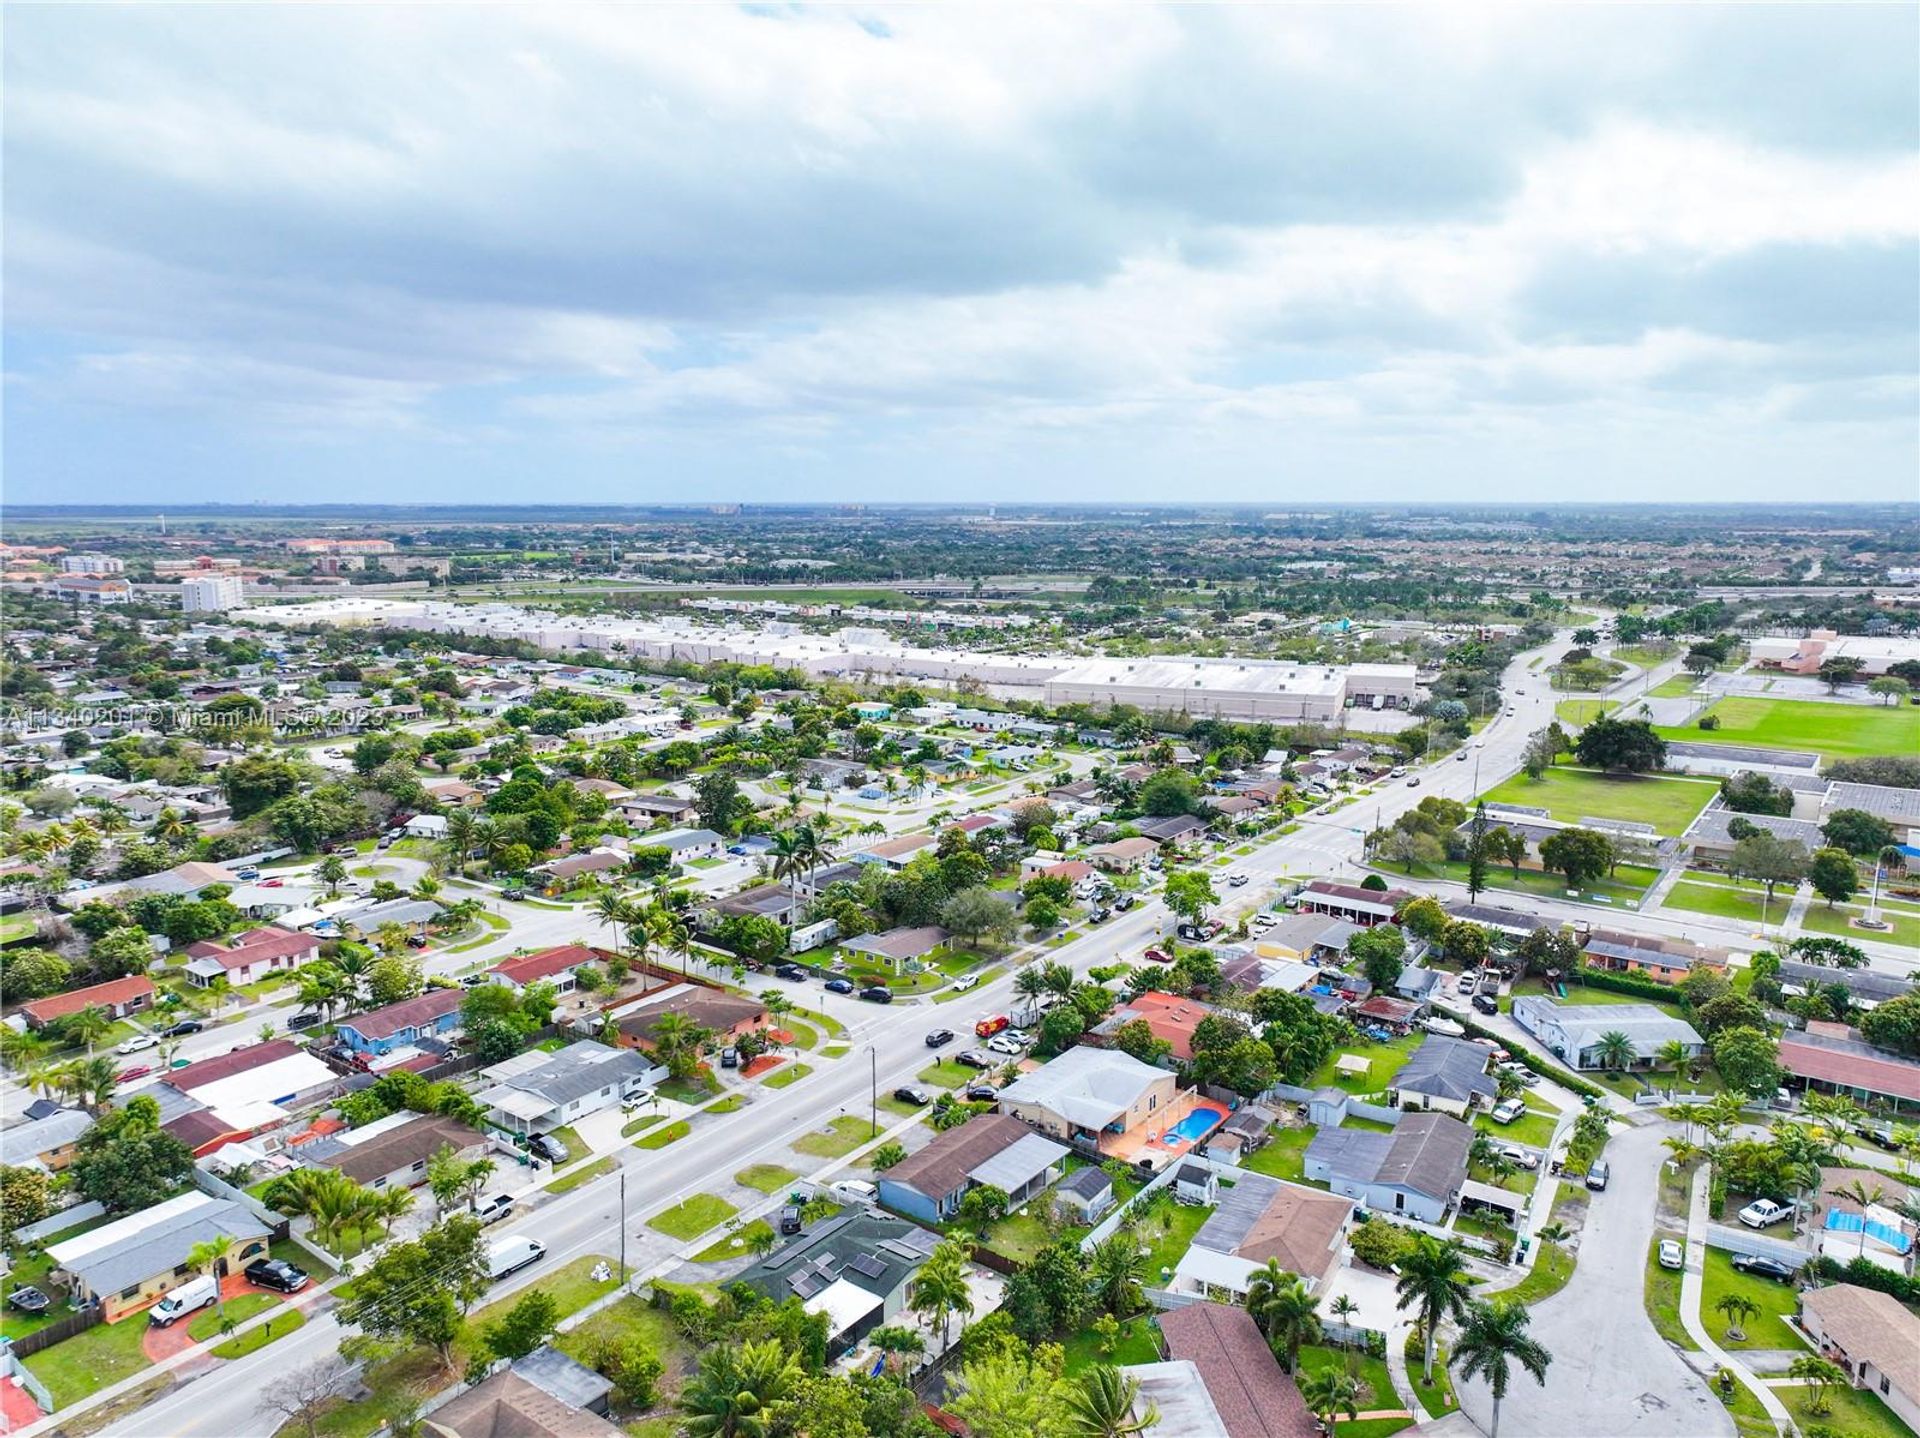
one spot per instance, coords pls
(91, 564)
(212, 594)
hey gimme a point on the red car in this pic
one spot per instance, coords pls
(1158, 956)
(139, 1071)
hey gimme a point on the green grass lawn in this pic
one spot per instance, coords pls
(1839, 731)
(1283, 1155)
(765, 1177)
(1019, 1236)
(737, 1244)
(1820, 919)
(1571, 795)
(637, 1317)
(946, 1074)
(1627, 883)
(837, 1140)
(579, 1174)
(1549, 1275)
(1647, 656)
(90, 1361)
(661, 1137)
(1578, 713)
(1436, 1397)
(1532, 1129)
(1387, 1060)
(1169, 1236)
(1768, 1330)
(1854, 1412)
(205, 1325)
(1663, 1294)
(1138, 1343)
(784, 1075)
(1678, 687)
(804, 1038)
(1376, 1383)
(693, 1217)
(645, 1121)
(1725, 901)
(274, 1329)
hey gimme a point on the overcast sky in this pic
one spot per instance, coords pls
(303, 252)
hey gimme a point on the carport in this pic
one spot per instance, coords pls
(1475, 1194)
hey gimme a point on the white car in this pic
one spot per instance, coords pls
(964, 982)
(1764, 1213)
(138, 1042)
(854, 1190)
(1260, 923)
(1671, 1255)
(1507, 1110)
(1001, 1044)
(1520, 1157)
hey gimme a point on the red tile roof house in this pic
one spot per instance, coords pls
(118, 997)
(252, 956)
(556, 966)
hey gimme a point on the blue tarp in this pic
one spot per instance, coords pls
(1838, 1222)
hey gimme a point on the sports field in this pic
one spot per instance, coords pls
(1571, 795)
(1840, 731)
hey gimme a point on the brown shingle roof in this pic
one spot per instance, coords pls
(708, 1008)
(409, 1143)
(1299, 1229)
(1253, 1397)
(508, 1406)
(1872, 1326)
(942, 1166)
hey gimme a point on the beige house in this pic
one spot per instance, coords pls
(1123, 856)
(1093, 1097)
(1874, 1337)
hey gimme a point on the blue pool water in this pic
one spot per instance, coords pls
(1195, 1125)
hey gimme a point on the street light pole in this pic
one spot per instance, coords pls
(873, 1091)
(623, 1227)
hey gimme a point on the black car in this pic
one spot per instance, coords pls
(29, 1300)
(913, 1094)
(729, 1057)
(1763, 1267)
(1098, 916)
(878, 994)
(839, 986)
(302, 1021)
(789, 971)
(982, 1093)
(974, 1059)
(513, 893)
(1124, 902)
(277, 1274)
(790, 1221)
(185, 1026)
(549, 1148)
(939, 1038)
(1486, 1003)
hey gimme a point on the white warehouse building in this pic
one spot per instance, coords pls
(1256, 689)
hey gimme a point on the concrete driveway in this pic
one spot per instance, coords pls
(1612, 1373)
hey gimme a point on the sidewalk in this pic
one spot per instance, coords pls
(1692, 1280)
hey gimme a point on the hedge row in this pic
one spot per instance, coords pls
(1630, 984)
(1532, 1061)
(1865, 1273)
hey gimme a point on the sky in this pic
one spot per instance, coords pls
(769, 253)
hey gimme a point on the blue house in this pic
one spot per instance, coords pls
(380, 1031)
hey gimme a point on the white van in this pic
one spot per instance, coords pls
(855, 1190)
(189, 1297)
(512, 1253)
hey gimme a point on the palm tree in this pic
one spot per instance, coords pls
(1343, 1308)
(1738, 1310)
(1279, 1302)
(1116, 1270)
(1803, 1148)
(1818, 1374)
(1687, 1115)
(171, 827)
(331, 871)
(204, 1257)
(674, 1038)
(1101, 1405)
(941, 1289)
(1675, 1055)
(458, 841)
(1434, 1285)
(613, 910)
(895, 1341)
(1867, 1196)
(1492, 1339)
(88, 1026)
(1614, 1051)
(321, 986)
(740, 1392)
(1329, 1392)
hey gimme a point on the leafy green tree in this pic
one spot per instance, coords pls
(34, 973)
(1857, 831)
(1189, 893)
(25, 1197)
(977, 912)
(1621, 746)
(1381, 951)
(1748, 1059)
(414, 1291)
(1834, 875)
(1424, 918)
(1614, 1051)
(1769, 860)
(1895, 1025)
(1008, 1395)
(1169, 792)
(1583, 855)
(1118, 1271)
(126, 1162)
(533, 1319)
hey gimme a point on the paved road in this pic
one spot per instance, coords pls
(1612, 1373)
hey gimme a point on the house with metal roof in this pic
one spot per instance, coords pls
(133, 1262)
(1447, 1074)
(561, 1087)
(1648, 956)
(1417, 1169)
(1866, 988)
(988, 1149)
(1573, 1032)
(856, 1269)
(431, 1014)
(1357, 905)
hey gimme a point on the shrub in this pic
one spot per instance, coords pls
(1709, 721)
(1381, 1244)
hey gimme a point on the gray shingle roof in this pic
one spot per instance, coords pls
(1447, 1068)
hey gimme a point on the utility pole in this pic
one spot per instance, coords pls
(623, 1227)
(873, 1091)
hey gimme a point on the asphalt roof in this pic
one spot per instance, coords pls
(1426, 1152)
(1253, 1397)
(1448, 1068)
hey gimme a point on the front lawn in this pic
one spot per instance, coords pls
(1854, 1412)
(1839, 731)
(838, 1139)
(205, 1325)
(765, 1177)
(1768, 1330)
(661, 1137)
(1139, 1342)
(1578, 713)
(946, 1074)
(1628, 883)
(737, 1244)
(274, 1329)
(90, 1361)
(1535, 1130)
(693, 1217)
(1820, 919)
(786, 1074)
(1549, 1274)
(1726, 901)
(1662, 1293)
(579, 1174)
(1571, 795)
(1376, 1383)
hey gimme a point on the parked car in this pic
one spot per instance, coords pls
(854, 1190)
(549, 1148)
(513, 1253)
(1521, 1074)
(472, 981)
(277, 1274)
(416, 941)
(790, 1220)
(137, 1043)
(1236, 881)
(982, 1093)
(138, 1071)
(1507, 1110)
(939, 1038)
(494, 1207)
(964, 982)
(1125, 902)
(1521, 1157)
(1001, 1044)
(1158, 956)
(1763, 1267)
(1099, 916)
(992, 1024)
(1261, 922)
(1671, 1254)
(912, 1093)
(791, 972)
(1881, 1132)
(973, 1059)
(185, 1026)
(513, 893)
(729, 1057)
(839, 986)
(302, 1021)
(1764, 1213)
(195, 1293)
(1598, 1174)
(1486, 1003)
(29, 1299)
(877, 994)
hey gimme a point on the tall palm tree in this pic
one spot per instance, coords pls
(331, 871)
(1492, 1339)
(88, 1026)
(1434, 1285)
(941, 1289)
(458, 841)
(1329, 1392)
(1675, 1055)
(1738, 1309)
(674, 934)
(1343, 1308)
(204, 1257)
(1614, 1051)
(1279, 1302)
(613, 910)
(1818, 1374)
(1867, 1196)
(1687, 1115)
(740, 1392)
(1102, 1405)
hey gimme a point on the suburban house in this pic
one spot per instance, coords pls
(537, 1092)
(856, 1269)
(185, 880)
(1827, 1058)
(453, 794)
(254, 955)
(1170, 1017)
(1084, 1194)
(1172, 829)
(392, 1152)
(1874, 1337)
(895, 853)
(509, 1405)
(1510, 922)
(987, 1149)
(431, 1014)
(556, 966)
(1445, 1074)
(653, 808)
(119, 997)
(1123, 856)
(1866, 988)
(279, 1072)
(897, 946)
(1357, 905)
(559, 874)
(1665, 961)
(49, 1139)
(762, 901)
(1417, 1169)
(427, 826)
(686, 845)
(724, 1016)
(1249, 1394)
(1573, 1032)
(128, 1264)
(1263, 1218)
(1092, 1097)
(1311, 938)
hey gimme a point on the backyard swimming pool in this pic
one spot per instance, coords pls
(1195, 1126)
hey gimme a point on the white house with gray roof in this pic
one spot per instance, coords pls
(538, 1092)
(1573, 1032)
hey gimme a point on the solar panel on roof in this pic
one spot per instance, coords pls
(866, 1265)
(898, 1249)
(806, 1284)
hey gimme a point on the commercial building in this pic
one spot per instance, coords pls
(88, 589)
(213, 594)
(91, 564)
(1876, 653)
(1248, 689)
